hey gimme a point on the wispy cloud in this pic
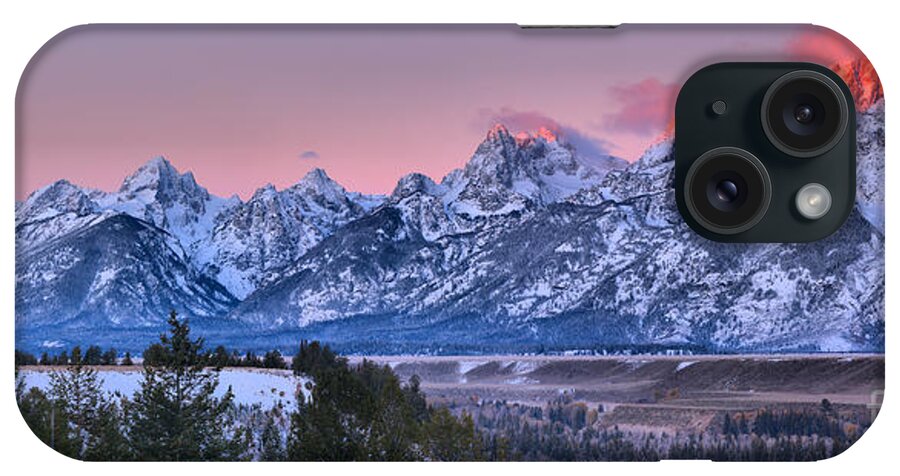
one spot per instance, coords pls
(309, 154)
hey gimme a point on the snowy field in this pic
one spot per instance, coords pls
(265, 387)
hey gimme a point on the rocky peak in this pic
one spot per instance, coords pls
(863, 81)
(159, 180)
(414, 183)
(60, 197)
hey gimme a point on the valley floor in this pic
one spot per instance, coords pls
(653, 393)
(611, 407)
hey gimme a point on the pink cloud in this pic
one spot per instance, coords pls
(823, 46)
(645, 108)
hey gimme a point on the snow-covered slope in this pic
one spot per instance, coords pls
(525, 245)
(612, 264)
(159, 194)
(257, 240)
(118, 272)
(51, 212)
(870, 164)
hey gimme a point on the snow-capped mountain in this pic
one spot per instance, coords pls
(525, 245)
(85, 258)
(256, 241)
(509, 173)
(870, 164)
(507, 177)
(118, 271)
(162, 242)
(51, 212)
(159, 194)
(612, 264)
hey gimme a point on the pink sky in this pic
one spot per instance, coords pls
(246, 106)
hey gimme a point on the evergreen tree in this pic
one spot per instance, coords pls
(174, 416)
(271, 446)
(448, 439)
(109, 357)
(273, 360)
(24, 358)
(219, 357)
(313, 357)
(234, 360)
(75, 359)
(47, 421)
(93, 356)
(45, 359)
(108, 443)
(331, 426)
(154, 356)
(126, 361)
(416, 399)
(251, 360)
(94, 421)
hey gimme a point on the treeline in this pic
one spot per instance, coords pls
(378, 347)
(364, 411)
(773, 423)
(219, 357)
(569, 430)
(94, 355)
(346, 412)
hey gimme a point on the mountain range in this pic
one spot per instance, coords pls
(528, 247)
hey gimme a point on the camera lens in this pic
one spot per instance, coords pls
(804, 113)
(727, 190)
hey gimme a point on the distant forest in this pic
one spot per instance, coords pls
(364, 412)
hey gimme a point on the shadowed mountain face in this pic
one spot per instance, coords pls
(525, 248)
(119, 272)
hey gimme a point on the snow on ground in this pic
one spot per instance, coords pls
(684, 365)
(265, 387)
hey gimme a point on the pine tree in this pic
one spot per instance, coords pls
(331, 426)
(449, 439)
(48, 421)
(174, 416)
(126, 361)
(271, 446)
(273, 360)
(108, 442)
(24, 358)
(45, 359)
(219, 357)
(251, 360)
(93, 355)
(154, 356)
(78, 392)
(75, 358)
(109, 357)
(94, 421)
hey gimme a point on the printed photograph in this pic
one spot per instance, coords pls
(428, 243)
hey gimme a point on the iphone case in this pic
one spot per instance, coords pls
(421, 243)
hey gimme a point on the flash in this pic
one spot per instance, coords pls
(813, 201)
